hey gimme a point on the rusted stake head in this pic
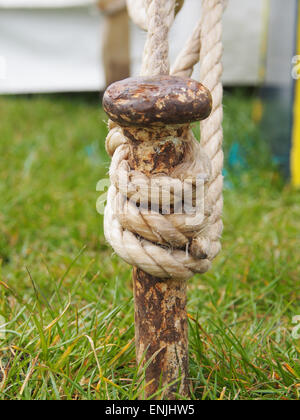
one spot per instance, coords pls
(155, 114)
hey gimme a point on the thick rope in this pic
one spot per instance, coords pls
(111, 7)
(211, 128)
(160, 16)
(165, 245)
(137, 12)
(189, 56)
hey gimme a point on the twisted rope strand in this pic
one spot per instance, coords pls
(161, 15)
(110, 7)
(137, 12)
(189, 56)
(211, 128)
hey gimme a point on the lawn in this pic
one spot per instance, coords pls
(66, 299)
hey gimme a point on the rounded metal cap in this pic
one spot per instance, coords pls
(156, 101)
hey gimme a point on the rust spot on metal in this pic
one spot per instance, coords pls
(161, 328)
(156, 151)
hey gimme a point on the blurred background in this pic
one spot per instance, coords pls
(56, 59)
(84, 45)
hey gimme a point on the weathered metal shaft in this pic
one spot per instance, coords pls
(162, 334)
(160, 305)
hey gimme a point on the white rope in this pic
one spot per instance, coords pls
(160, 16)
(189, 56)
(165, 245)
(211, 128)
(137, 12)
(111, 7)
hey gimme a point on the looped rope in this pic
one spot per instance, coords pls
(160, 16)
(138, 14)
(169, 245)
(111, 7)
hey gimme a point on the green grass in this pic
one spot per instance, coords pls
(67, 300)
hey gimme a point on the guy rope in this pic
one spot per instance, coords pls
(156, 158)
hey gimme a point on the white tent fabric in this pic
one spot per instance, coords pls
(55, 45)
(44, 4)
(50, 51)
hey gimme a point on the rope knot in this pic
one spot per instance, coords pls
(165, 203)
